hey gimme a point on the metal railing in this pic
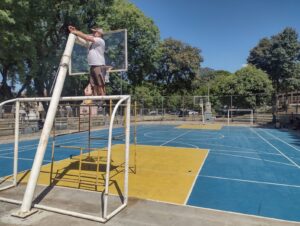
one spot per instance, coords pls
(28, 196)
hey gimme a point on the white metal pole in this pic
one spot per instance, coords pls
(107, 175)
(202, 111)
(16, 146)
(38, 160)
(228, 117)
(126, 51)
(127, 140)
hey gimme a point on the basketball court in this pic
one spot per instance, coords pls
(247, 170)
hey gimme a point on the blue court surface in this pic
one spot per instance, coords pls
(248, 170)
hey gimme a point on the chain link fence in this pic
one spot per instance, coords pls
(286, 113)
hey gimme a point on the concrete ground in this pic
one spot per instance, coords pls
(138, 211)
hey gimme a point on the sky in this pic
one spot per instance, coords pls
(225, 30)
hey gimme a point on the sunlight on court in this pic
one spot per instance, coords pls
(156, 173)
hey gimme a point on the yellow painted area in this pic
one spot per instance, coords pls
(201, 126)
(157, 173)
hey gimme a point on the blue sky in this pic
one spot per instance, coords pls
(225, 30)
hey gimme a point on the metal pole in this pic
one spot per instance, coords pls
(208, 92)
(135, 139)
(89, 133)
(16, 147)
(127, 140)
(202, 111)
(38, 160)
(108, 160)
(228, 117)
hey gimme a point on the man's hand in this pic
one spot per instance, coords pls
(80, 34)
(72, 29)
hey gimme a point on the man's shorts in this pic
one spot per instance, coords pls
(97, 75)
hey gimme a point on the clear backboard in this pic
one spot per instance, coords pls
(200, 100)
(115, 53)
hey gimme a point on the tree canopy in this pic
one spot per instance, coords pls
(179, 65)
(34, 33)
(279, 56)
(250, 88)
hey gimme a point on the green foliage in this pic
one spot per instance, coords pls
(250, 88)
(34, 37)
(278, 56)
(16, 47)
(147, 96)
(34, 32)
(143, 39)
(178, 66)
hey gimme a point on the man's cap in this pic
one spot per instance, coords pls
(97, 29)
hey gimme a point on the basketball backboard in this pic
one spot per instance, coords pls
(115, 53)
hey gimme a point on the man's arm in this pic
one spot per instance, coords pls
(80, 34)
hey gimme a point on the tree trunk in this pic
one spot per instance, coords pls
(5, 90)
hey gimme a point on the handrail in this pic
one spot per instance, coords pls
(44, 99)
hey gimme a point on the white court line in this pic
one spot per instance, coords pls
(22, 147)
(251, 181)
(159, 141)
(228, 146)
(275, 148)
(148, 134)
(191, 145)
(195, 179)
(176, 137)
(246, 152)
(26, 159)
(280, 140)
(259, 159)
(9, 153)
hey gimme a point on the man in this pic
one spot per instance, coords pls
(95, 59)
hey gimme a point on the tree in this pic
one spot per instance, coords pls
(278, 56)
(208, 77)
(15, 49)
(250, 87)
(33, 37)
(147, 96)
(178, 66)
(143, 39)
